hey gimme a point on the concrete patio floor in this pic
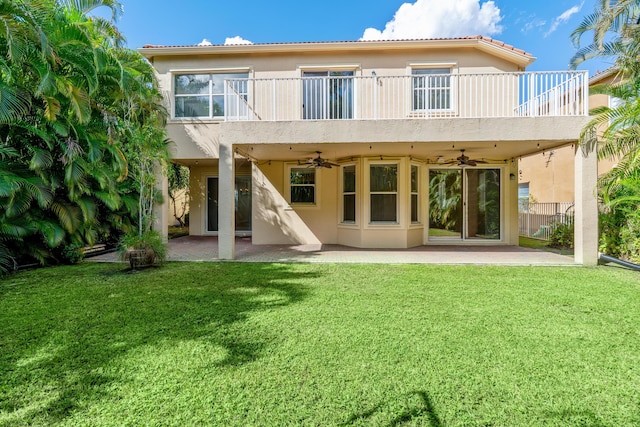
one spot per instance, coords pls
(205, 248)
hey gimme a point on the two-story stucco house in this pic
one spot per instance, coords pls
(369, 144)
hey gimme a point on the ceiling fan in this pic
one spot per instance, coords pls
(318, 162)
(464, 160)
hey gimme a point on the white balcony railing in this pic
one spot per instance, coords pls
(526, 94)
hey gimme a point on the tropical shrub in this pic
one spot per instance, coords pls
(77, 111)
(630, 239)
(561, 236)
(72, 254)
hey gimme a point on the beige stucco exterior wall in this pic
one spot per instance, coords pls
(276, 221)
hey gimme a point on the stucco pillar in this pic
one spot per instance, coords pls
(226, 202)
(586, 206)
(161, 210)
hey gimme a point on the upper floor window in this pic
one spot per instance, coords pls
(431, 89)
(327, 95)
(302, 185)
(203, 95)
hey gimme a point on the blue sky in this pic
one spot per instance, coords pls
(541, 27)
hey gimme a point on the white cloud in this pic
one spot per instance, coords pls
(535, 23)
(204, 42)
(564, 17)
(437, 18)
(236, 40)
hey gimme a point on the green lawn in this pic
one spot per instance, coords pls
(236, 344)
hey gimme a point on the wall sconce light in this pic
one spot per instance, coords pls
(512, 177)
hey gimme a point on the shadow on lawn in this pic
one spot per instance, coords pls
(66, 336)
(423, 410)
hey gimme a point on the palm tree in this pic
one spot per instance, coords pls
(619, 18)
(71, 101)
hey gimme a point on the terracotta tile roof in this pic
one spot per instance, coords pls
(481, 38)
(601, 75)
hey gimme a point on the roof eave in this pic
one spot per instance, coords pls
(509, 54)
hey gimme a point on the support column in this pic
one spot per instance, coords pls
(161, 210)
(226, 202)
(586, 206)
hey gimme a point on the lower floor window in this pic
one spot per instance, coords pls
(414, 193)
(349, 194)
(383, 192)
(303, 185)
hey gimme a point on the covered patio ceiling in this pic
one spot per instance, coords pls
(497, 153)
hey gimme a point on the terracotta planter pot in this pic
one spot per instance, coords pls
(140, 258)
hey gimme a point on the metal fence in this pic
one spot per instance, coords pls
(480, 95)
(536, 220)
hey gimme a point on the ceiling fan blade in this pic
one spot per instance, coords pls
(471, 162)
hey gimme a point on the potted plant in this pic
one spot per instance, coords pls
(143, 250)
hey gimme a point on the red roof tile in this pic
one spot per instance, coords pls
(482, 38)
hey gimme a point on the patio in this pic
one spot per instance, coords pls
(205, 248)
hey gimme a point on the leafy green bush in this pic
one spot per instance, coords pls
(561, 236)
(610, 222)
(72, 254)
(630, 239)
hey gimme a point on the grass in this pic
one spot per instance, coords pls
(438, 232)
(176, 231)
(527, 242)
(239, 344)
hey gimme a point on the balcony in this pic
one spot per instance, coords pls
(413, 97)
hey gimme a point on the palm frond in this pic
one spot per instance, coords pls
(14, 103)
(69, 216)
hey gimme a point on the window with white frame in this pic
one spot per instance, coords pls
(415, 180)
(203, 95)
(431, 89)
(302, 182)
(349, 194)
(383, 192)
(523, 191)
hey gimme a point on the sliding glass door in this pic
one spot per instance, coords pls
(464, 204)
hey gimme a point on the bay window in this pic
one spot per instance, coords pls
(383, 192)
(349, 194)
(414, 194)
